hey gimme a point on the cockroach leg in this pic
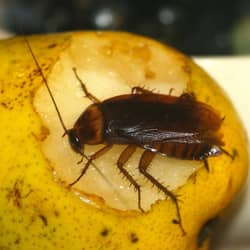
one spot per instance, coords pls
(96, 155)
(86, 92)
(123, 158)
(140, 90)
(188, 97)
(145, 161)
(206, 164)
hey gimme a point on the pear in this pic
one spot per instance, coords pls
(40, 209)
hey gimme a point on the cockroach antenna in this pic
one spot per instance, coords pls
(46, 84)
(66, 131)
(64, 126)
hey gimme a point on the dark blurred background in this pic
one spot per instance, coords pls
(193, 26)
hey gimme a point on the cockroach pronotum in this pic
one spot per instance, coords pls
(179, 127)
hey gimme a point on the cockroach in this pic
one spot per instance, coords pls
(179, 127)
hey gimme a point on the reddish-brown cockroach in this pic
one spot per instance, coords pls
(179, 127)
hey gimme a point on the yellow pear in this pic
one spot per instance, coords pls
(39, 209)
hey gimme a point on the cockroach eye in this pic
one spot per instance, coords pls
(74, 141)
(214, 151)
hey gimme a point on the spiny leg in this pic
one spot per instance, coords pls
(145, 161)
(140, 90)
(188, 97)
(206, 164)
(123, 158)
(85, 90)
(96, 155)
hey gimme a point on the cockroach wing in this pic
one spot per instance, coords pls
(152, 118)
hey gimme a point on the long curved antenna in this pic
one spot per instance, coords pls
(61, 119)
(46, 84)
(50, 93)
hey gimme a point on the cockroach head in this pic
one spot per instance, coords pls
(88, 128)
